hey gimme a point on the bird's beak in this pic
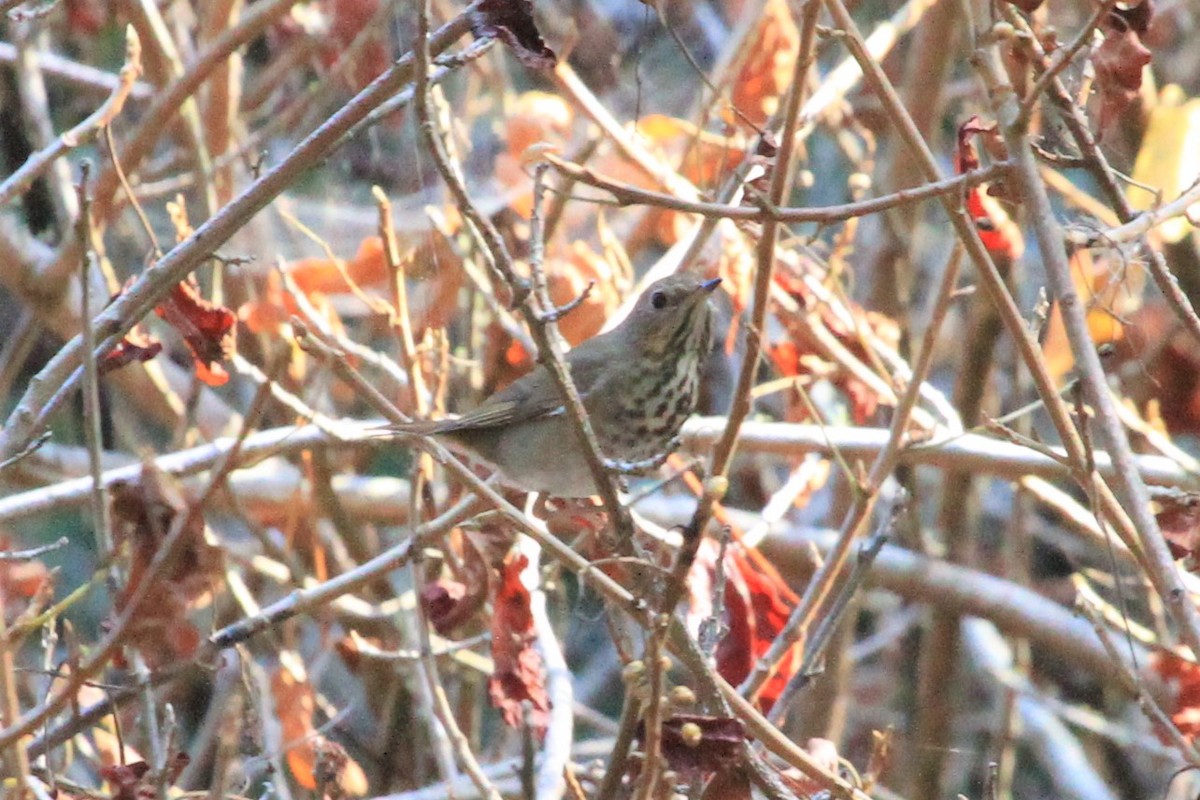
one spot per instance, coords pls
(708, 286)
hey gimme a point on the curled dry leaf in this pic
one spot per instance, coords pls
(757, 605)
(767, 70)
(312, 760)
(1178, 515)
(698, 746)
(27, 581)
(1184, 679)
(137, 346)
(144, 513)
(535, 118)
(1000, 233)
(208, 329)
(135, 782)
(797, 354)
(517, 674)
(450, 602)
(511, 21)
(338, 775)
(1120, 59)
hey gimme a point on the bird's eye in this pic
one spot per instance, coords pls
(658, 299)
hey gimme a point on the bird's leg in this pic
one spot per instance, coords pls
(637, 467)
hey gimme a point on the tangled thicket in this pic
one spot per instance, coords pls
(935, 532)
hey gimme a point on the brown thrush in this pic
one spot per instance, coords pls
(638, 383)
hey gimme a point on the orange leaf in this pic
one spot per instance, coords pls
(767, 71)
(209, 330)
(517, 673)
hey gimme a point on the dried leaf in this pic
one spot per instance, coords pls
(999, 233)
(512, 22)
(1119, 62)
(294, 706)
(696, 746)
(1184, 677)
(135, 781)
(448, 602)
(136, 346)
(143, 514)
(1178, 515)
(208, 329)
(338, 775)
(518, 675)
(767, 71)
(757, 605)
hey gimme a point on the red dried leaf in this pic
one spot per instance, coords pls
(756, 612)
(1000, 234)
(21, 579)
(696, 746)
(208, 329)
(86, 17)
(1028, 6)
(1119, 61)
(512, 22)
(1184, 676)
(294, 707)
(517, 673)
(1178, 516)
(448, 602)
(1136, 17)
(143, 514)
(136, 346)
(757, 605)
(767, 70)
(133, 781)
(338, 775)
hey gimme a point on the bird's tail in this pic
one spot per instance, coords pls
(421, 427)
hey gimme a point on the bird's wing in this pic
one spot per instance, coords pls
(534, 395)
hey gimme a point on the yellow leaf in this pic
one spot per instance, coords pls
(1169, 160)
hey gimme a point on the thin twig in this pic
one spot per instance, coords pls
(1136, 500)
(16, 183)
(441, 704)
(829, 573)
(629, 194)
(91, 388)
(51, 387)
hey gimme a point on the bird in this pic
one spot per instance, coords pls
(638, 382)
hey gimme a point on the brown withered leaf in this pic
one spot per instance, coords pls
(1119, 61)
(450, 602)
(1137, 16)
(517, 673)
(294, 707)
(767, 70)
(134, 781)
(696, 745)
(338, 775)
(136, 346)
(1028, 6)
(1178, 515)
(208, 329)
(143, 514)
(1184, 679)
(512, 22)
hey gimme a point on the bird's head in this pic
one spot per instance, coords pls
(672, 316)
